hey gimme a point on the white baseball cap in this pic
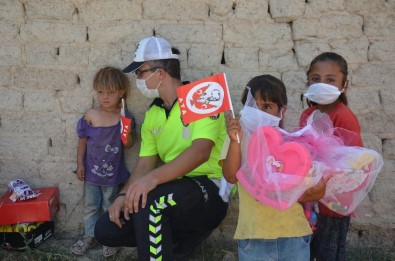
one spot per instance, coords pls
(149, 49)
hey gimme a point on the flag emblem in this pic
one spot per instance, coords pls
(204, 98)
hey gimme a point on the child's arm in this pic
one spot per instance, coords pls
(232, 162)
(81, 150)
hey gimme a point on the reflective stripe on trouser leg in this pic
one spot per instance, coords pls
(155, 225)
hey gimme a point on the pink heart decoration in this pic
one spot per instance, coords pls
(274, 166)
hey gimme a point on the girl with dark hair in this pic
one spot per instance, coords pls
(327, 80)
(263, 232)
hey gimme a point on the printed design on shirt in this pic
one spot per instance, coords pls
(214, 117)
(186, 133)
(108, 148)
(103, 159)
(156, 131)
(155, 225)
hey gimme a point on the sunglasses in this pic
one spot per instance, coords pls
(140, 72)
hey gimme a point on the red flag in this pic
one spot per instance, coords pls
(125, 124)
(203, 98)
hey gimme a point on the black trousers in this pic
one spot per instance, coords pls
(329, 240)
(175, 211)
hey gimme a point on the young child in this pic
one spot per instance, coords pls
(263, 232)
(100, 156)
(327, 80)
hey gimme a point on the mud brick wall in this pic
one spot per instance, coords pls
(50, 49)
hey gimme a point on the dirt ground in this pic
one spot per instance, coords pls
(57, 248)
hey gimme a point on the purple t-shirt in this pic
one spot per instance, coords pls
(104, 158)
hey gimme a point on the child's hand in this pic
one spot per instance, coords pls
(130, 139)
(80, 172)
(234, 129)
(314, 193)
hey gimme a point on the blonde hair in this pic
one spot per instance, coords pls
(111, 79)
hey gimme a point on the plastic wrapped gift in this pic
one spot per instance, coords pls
(277, 173)
(350, 171)
(20, 190)
(278, 166)
(352, 178)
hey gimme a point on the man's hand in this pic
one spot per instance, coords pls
(139, 190)
(115, 209)
(314, 193)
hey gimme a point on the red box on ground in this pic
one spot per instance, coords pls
(42, 208)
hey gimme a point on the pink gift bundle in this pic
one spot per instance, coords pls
(279, 166)
(276, 173)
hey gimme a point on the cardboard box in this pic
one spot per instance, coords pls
(22, 240)
(42, 208)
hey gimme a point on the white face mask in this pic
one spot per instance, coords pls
(142, 86)
(322, 93)
(251, 118)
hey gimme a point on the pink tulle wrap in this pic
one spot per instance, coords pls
(279, 166)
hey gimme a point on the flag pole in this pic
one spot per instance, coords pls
(123, 107)
(231, 105)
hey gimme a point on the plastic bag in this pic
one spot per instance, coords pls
(278, 166)
(350, 171)
(20, 190)
(351, 179)
(275, 172)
